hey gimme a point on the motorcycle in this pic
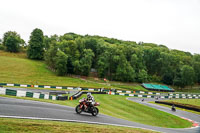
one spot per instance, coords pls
(84, 106)
(173, 108)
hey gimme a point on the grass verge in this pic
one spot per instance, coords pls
(129, 87)
(187, 101)
(8, 125)
(118, 106)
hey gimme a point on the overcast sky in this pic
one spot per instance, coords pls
(174, 23)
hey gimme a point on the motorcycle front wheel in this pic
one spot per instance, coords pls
(95, 111)
(78, 109)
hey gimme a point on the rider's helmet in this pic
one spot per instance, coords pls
(88, 95)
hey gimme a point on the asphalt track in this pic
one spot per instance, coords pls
(18, 108)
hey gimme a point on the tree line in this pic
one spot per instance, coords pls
(113, 59)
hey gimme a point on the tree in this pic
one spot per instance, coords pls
(50, 40)
(103, 64)
(142, 76)
(50, 56)
(177, 81)
(12, 41)
(121, 60)
(1, 45)
(152, 60)
(61, 63)
(86, 62)
(83, 65)
(187, 75)
(196, 66)
(168, 78)
(108, 60)
(124, 71)
(70, 48)
(36, 45)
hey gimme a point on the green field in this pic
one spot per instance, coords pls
(118, 106)
(8, 125)
(195, 89)
(16, 68)
(129, 87)
(187, 101)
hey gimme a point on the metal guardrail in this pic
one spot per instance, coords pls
(20, 93)
(113, 91)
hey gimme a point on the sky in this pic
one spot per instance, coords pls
(173, 23)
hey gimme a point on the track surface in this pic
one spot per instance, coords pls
(27, 108)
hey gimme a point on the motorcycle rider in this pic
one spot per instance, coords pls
(90, 100)
(173, 108)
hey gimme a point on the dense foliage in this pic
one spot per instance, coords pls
(121, 60)
(12, 42)
(36, 45)
(1, 45)
(114, 59)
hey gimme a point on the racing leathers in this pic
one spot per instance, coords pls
(90, 101)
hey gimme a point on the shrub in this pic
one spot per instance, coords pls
(2, 47)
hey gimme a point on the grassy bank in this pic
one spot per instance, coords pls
(129, 87)
(187, 101)
(8, 125)
(118, 106)
(188, 89)
(16, 68)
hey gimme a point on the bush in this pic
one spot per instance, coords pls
(2, 47)
(12, 41)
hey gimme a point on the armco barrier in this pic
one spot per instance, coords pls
(20, 93)
(62, 98)
(185, 106)
(78, 94)
(152, 96)
(163, 95)
(47, 86)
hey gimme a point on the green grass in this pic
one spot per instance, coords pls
(129, 87)
(8, 125)
(187, 101)
(118, 106)
(16, 68)
(190, 90)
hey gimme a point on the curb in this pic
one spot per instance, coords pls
(194, 123)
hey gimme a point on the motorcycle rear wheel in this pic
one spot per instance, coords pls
(78, 109)
(95, 111)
